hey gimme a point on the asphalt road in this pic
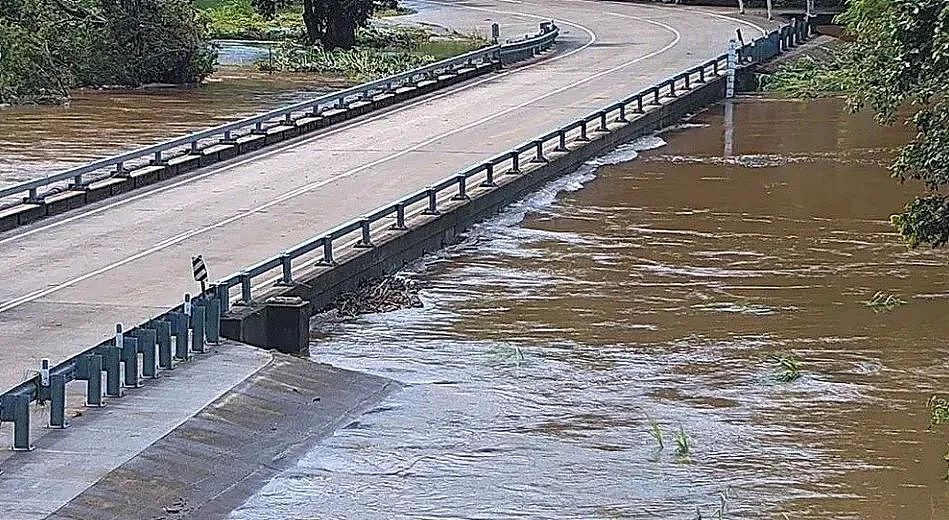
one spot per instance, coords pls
(68, 280)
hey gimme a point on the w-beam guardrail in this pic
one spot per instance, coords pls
(190, 144)
(184, 330)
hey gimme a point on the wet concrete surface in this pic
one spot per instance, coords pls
(99, 440)
(217, 458)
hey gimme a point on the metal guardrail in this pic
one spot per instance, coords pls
(159, 153)
(179, 324)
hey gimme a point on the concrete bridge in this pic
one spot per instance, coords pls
(71, 277)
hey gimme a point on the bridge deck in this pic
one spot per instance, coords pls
(68, 280)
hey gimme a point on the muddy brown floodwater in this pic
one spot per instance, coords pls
(40, 140)
(661, 287)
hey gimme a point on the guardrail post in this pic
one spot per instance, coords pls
(57, 401)
(286, 265)
(639, 104)
(146, 345)
(515, 163)
(539, 154)
(198, 328)
(583, 131)
(246, 297)
(93, 375)
(366, 240)
(702, 74)
(16, 408)
(158, 160)
(561, 141)
(672, 88)
(730, 82)
(622, 114)
(179, 330)
(77, 183)
(462, 188)
(212, 321)
(489, 176)
(688, 84)
(399, 216)
(223, 296)
(432, 208)
(112, 357)
(655, 99)
(120, 170)
(603, 126)
(130, 362)
(328, 251)
(163, 338)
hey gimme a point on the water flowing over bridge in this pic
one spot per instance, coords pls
(98, 249)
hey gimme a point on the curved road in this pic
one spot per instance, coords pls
(67, 281)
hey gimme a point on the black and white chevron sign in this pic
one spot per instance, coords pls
(200, 271)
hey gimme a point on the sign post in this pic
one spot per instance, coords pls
(200, 272)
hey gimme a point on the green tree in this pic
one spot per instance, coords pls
(901, 61)
(50, 46)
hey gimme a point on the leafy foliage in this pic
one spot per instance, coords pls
(238, 19)
(50, 46)
(901, 61)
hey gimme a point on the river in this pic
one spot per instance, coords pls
(659, 288)
(41, 140)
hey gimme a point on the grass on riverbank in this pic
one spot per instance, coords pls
(809, 78)
(381, 51)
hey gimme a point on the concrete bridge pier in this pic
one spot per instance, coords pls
(281, 323)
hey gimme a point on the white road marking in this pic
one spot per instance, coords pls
(309, 187)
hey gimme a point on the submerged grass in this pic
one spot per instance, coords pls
(882, 301)
(789, 369)
(683, 445)
(655, 431)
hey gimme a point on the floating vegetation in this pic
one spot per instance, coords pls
(378, 296)
(683, 445)
(655, 431)
(881, 301)
(789, 369)
(938, 411)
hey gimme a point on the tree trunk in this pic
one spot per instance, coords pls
(340, 31)
(311, 18)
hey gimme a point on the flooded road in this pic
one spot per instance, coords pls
(40, 140)
(663, 290)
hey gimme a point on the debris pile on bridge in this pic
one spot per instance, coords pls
(380, 295)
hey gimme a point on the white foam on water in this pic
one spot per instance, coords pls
(547, 195)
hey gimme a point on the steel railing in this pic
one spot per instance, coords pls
(189, 144)
(88, 365)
